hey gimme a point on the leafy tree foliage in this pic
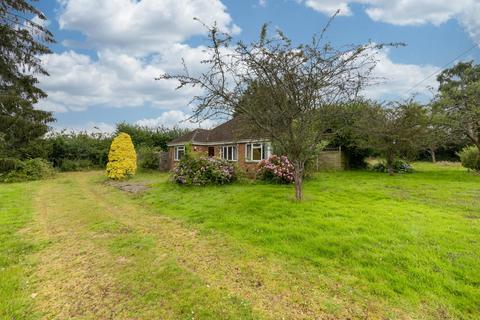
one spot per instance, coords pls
(459, 99)
(342, 120)
(22, 40)
(392, 131)
(281, 90)
(436, 135)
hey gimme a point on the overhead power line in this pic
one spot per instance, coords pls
(442, 67)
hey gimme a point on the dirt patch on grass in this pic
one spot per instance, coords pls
(130, 187)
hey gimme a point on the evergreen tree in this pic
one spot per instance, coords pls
(122, 158)
(23, 38)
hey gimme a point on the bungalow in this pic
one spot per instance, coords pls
(228, 141)
(233, 142)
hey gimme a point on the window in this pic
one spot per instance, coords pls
(229, 153)
(257, 151)
(179, 152)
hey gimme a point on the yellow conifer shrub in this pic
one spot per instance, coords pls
(122, 159)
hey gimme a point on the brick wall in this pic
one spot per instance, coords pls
(326, 160)
(248, 167)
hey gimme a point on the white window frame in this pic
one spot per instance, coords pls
(225, 151)
(177, 149)
(264, 150)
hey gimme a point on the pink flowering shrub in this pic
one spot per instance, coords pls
(276, 169)
(201, 171)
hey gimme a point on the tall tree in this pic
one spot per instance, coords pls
(437, 134)
(280, 89)
(459, 97)
(22, 39)
(393, 131)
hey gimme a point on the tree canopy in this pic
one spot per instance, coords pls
(281, 89)
(459, 99)
(395, 130)
(23, 38)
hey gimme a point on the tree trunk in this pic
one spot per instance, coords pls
(390, 165)
(298, 175)
(478, 157)
(433, 155)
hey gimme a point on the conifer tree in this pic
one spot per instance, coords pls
(23, 39)
(122, 159)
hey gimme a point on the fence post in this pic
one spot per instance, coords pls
(340, 157)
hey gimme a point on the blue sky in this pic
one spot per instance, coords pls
(108, 52)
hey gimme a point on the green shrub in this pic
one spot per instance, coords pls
(276, 169)
(9, 164)
(399, 166)
(75, 165)
(202, 171)
(470, 157)
(148, 158)
(32, 169)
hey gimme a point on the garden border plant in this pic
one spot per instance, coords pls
(277, 169)
(470, 158)
(14, 170)
(199, 170)
(398, 166)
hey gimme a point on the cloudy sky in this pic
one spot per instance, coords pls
(109, 52)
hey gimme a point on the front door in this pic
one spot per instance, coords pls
(211, 152)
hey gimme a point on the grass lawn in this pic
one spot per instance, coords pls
(362, 245)
(410, 241)
(15, 212)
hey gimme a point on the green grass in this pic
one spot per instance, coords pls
(410, 241)
(15, 213)
(361, 245)
(97, 261)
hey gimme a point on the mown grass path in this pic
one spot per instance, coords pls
(110, 258)
(361, 246)
(107, 259)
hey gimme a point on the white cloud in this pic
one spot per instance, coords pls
(329, 7)
(410, 12)
(417, 12)
(135, 42)
(175, 118)
(471, 22)
(77, 82)
(118, 80)
(44, 23)
(142, 27)
(400, 81)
